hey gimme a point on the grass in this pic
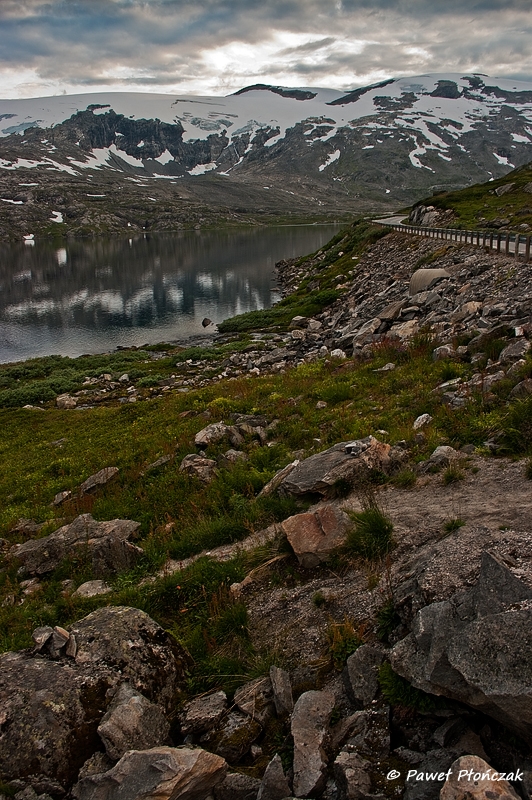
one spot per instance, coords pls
(343, 640)
(399, 692)
(452, 474)
(371, 535)
(453, 524)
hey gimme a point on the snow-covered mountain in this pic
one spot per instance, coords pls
(265, 148)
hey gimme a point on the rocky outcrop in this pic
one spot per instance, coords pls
(309, 725)
(51, 709)
(105, 544)
(476, 648)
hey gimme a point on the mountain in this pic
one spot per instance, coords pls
(102, 162)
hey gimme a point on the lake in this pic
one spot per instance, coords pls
(93, 295)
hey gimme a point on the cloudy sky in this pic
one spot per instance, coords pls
(211, 47)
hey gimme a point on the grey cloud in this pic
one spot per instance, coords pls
(160, 42)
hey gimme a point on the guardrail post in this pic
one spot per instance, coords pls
(517, 243)
(527, 249)
(498, 248)
(507, 245)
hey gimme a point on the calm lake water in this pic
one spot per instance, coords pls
(91, 296)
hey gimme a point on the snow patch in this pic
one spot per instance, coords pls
(14, 202)
(330, 160)
(165, 157)
(201, 169)
(521, 139)
(56, 216)
(503, 160)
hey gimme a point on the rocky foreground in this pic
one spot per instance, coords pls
(435, 696)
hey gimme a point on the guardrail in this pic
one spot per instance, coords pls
(515, 244)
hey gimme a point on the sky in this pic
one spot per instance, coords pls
(206, 47)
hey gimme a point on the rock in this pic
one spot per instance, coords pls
(92, 589)
(522, 389)
(474, 779)
(424, 279)
(309, 724)
(352, 774)
(206, 322)
(215, 433)
(274, 785)
(132, 723)
(237, 786)
(105, 542)
(507, 187)
(277, 479)
(476, 648)
(233, 457)
(313, 537)
(65, 401)
(337, 353)
(255, 698)
(161, 773)
(319, 473)
(282, 692)
(51, 710)
(233, 737)
(361, 674)
(202, 714)
(118, 638)
(443, 456)
(443, 352)
(199, 467)
(41, 635)
(100, 478)
(61, 497)
(99, 762)
(515, 350)
(421, 421)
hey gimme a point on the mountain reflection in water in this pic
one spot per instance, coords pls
(90, 296)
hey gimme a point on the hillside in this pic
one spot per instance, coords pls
(192, 555)
(115, 163)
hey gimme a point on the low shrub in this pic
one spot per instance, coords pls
(398, 692)
(343, 641)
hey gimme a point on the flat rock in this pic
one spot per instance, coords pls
(309, 725)
(319, 473)
(314, 536)
(92, 589)
(132, 723)
(161, 773)
(217, 432)
(99, 479)
(199, 467)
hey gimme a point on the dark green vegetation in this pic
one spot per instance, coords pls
(47, 450)
(479, 206)
(398, 692)
(371, 536)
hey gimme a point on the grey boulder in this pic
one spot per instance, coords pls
(132, 723)
(309, 726)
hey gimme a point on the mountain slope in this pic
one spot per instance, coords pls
(262, 152)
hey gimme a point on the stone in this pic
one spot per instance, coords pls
(237, 786)
(315, 536)
(424, 279)
(65, 401)
(309, 725)
(273, 485)
(126, 640)
(443, 456)
(319, 473)
(215, 433)
(515, 350)
(421, 421)
(100, 478)
(132, 723)
(92, 589)
(443, 352)
(361, 674)
(199, 467)
(41, 636)
(476, 648)
(506, 187)
(282, 692)
(233, 737)
(274, 785)
(405, 329)
(40, 556)
(61, 497)
(338, 353)
(160, 773)
(473, 779)
(206, 322)
(522, 389)
(255, 698)
(392, 311)
(202, 714)
(352, 774)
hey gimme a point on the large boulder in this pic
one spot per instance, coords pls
(50, 710)
(127, 641)
(161, 773)
(202, 714)
(476, 648)
(132, 723)
(314, 536)
(345, 462)
(472, 778)
(106, 543)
